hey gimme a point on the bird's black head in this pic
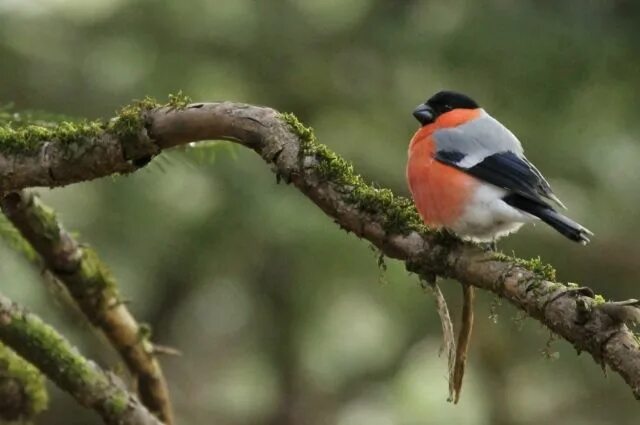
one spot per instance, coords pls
(440, 103)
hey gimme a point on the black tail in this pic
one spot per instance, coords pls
(562, 224)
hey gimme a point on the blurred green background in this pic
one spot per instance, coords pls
(281, 317)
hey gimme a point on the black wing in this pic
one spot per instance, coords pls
(506, 170)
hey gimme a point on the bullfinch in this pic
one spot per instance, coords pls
(467, 173)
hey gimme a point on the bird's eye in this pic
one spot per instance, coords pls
(447, 107)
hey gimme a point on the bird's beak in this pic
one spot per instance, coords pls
(424, 114)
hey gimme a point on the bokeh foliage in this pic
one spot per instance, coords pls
(281, 317)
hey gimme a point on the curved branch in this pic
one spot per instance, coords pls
(94, 290)
(42, 346)
(389, 222)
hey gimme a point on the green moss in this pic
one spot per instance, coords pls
(305, 134)
(42, 218)
(25, 132)
(399, 214)
(14, 239)
(29, 138)
(92, 276)
(130, 118)
(382, 264)
(58, 359)
(93, 286)
(599, 299)
(537, 266)
(30, 379)
(545, 271)
(178, 100)
(130, 121)
(499, 256)
(117, 404)
(42, 345)
(94, 272)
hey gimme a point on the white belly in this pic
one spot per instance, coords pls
(487, 217)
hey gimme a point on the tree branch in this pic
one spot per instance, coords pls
(94, 290)
(42, 346)
(22, 390)
(389, 222)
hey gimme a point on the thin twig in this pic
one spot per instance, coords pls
(448, 336)
(464, 338)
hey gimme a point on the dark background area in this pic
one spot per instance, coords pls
(281, 317)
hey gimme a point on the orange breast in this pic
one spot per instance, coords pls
(439, 191)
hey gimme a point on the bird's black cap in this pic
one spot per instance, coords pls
(441, 102)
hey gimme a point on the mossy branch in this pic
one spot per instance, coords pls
(22, 390)
(389, 222)
(43, 347)
(94, 289)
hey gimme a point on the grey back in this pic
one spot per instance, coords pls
(477, 139)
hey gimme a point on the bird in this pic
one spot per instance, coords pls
(467, 174)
